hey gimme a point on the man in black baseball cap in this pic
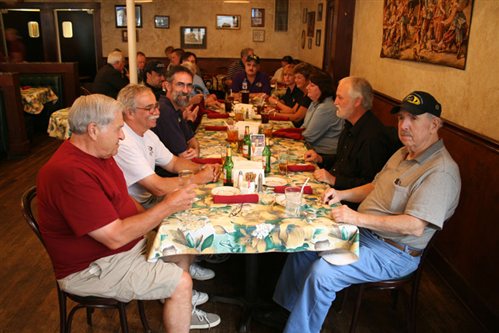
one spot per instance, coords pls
(419, 102)
(155, 72)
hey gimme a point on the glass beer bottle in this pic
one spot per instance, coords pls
(267, 156)
(228, 166)
(247, 143)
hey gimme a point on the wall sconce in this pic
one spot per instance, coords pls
(67, 29)
(33, 29)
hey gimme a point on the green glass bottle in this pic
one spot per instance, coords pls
(267, 155)
(247, 143)
(228, 166)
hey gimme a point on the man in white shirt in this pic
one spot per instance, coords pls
(137, 156)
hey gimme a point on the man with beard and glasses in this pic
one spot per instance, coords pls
(172, 129)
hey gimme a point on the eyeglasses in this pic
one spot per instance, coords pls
(149, 108)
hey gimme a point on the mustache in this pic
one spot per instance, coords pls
(405, 133)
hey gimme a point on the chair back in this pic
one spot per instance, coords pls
(29, 216)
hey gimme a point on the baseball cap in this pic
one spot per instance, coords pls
(419, 102)
(254, 58)
(156, 66)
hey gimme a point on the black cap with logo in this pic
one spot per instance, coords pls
(156, 66)
(419, 102)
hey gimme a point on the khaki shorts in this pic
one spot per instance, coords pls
(125, 276)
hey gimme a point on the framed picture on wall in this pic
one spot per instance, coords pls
(161, 22)
(319, 12)
(258, 35)
(230, 22)
(318, 37)
(193, 37)
(310, 24)
(303, 38)
(257, 17)
(120, 16)
(310, 43)
(304, 19)
(124, 36)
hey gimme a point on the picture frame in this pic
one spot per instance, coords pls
(304, 19)
(161, 22)
(257, 17)
(124, 36)
(303, 38)
(318, 34)
(309, 43)
(310, 24)
(120, 16)
(258, 35)
(193, 37)
(228, 22)
(319, 12)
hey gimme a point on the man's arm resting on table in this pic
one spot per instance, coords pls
(194, 144)
(122, 231)
(400, 224)
(356, 194)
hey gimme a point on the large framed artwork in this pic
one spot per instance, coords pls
(434, 32)
(120, 16)
(193, 37)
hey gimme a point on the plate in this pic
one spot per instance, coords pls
(281, 200)
(275, 181)
(225, 190)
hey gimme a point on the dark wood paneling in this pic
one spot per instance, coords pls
(68, 70)
(18, 144)
(466, 252)
(338, 38)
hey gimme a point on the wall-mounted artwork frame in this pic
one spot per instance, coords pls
(228, 22)
(193, 37)
(318, 34)
(310, 24)
(161, 22)
(319, 12)
(257, 17)
(259, 35)
(304, 19)
(309, 43)
(124, 36)
(120, 16)
(303, 38)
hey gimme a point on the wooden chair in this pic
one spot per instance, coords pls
(88, 302)
(394, 286)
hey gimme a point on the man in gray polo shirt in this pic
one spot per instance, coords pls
(409, 199)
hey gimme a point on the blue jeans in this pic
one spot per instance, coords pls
(308, 284)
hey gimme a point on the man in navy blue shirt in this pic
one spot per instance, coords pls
(256, 81)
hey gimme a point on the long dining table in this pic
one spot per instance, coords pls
(253, 228)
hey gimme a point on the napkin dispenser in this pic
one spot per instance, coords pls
(253, 127)
(246, 108)
(250, 170)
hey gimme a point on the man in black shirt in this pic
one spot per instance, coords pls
(363, 146)
(155, 72)
(109, 80)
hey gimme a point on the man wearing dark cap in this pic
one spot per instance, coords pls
(255, 81)
(409, 199)
(155, 72)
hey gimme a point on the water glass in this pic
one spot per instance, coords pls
(185, 177)
(293, 201)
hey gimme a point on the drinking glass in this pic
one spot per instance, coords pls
(283, 164)
(293, 201)
(185, 178)
(232, 133)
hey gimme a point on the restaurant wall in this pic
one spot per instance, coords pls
(469, 97)
(220, 43)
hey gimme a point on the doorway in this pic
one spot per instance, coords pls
(76, 42)
(15, 24)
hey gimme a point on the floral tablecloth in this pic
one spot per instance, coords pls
(58, 125)
(209, 228)
(33, 98)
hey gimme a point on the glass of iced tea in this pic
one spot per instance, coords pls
(232, 133)
(283, 164)
(267, 130)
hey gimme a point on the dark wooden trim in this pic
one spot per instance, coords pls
(68, 70)
(18, 144)
(338, 38)
(465, 254)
